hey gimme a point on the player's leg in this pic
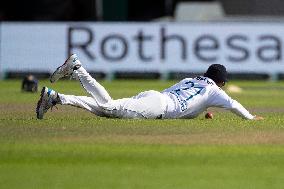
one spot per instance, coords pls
(73, 67)
(84, 102)
(114, 108)
(50, 98)
(148, 104)
(94, 88)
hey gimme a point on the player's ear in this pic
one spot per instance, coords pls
(221, 84)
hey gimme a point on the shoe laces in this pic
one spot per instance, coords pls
(74, 76)
(53, 106)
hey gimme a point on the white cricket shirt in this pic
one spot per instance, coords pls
(192, 96)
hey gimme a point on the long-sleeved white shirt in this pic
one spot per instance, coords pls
(192, 96)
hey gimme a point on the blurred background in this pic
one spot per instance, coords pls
(119, 39)
(130, 10)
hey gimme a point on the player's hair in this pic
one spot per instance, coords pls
(217, 73)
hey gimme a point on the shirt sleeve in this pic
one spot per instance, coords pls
(221, 99)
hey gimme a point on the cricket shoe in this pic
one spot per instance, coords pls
(48, 99)
(66, 69)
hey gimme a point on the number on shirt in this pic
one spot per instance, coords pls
(182, 100)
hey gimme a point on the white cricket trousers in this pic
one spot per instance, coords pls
(149, 104)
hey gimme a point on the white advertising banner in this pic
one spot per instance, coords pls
(161, 47)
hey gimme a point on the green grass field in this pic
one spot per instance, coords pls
(72, 148)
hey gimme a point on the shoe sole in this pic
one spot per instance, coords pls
(38, 115)
(58, 68)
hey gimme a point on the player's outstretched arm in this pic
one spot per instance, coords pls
(221, 99)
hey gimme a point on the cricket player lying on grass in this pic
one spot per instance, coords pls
(186, 99)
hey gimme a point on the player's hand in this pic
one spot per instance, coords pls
(258, 118)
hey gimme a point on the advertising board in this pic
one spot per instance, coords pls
(159, 47)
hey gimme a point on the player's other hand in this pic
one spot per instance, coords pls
(258, 118)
